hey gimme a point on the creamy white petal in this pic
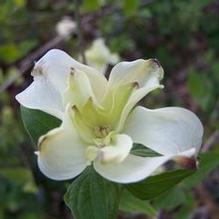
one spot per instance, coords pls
(42, 95)
(61, 153)
(57, 65)
(147, 73)
(133, 100)
(132, 169)
(117, 151)
(50, 81)
(135, 168)
(169, 131)
(79, 89)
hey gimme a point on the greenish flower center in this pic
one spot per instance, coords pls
(101, 131)
(96, 120)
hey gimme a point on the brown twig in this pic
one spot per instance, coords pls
(28, 62)
(85, 21)
(213, 139)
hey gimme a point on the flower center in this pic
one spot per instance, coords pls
(101, 131)
(96, 121)
(114, 148)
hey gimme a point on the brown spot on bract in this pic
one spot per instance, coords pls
(187, 162)
(135, 84)
(157, 62)
(72, 71)
(74, 108)
(37, 70)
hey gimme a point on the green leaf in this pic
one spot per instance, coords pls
(38, 123)
(142, 151)
(130, 203)
(170, 199)
(156, 185)
(91, 196)
(187, 208)
(130, 7)
(181, 195)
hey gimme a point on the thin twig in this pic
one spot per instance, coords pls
(80, 34)
(28, 62)
(86, 22)
(213, 139)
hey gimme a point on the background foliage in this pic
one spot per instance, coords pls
(182, 35)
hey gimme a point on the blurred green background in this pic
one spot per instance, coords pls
(182, 34)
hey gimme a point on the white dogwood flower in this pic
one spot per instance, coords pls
(99, 55)
(100, 119)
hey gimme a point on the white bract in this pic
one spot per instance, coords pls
(100, 119)
(99, 56)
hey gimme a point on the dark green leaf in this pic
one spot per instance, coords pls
(170, 199)
(38, 123)
(91, 196)
(155, 185)
(180, 195)
(188, 207)
(142, 151)
(130, 203)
